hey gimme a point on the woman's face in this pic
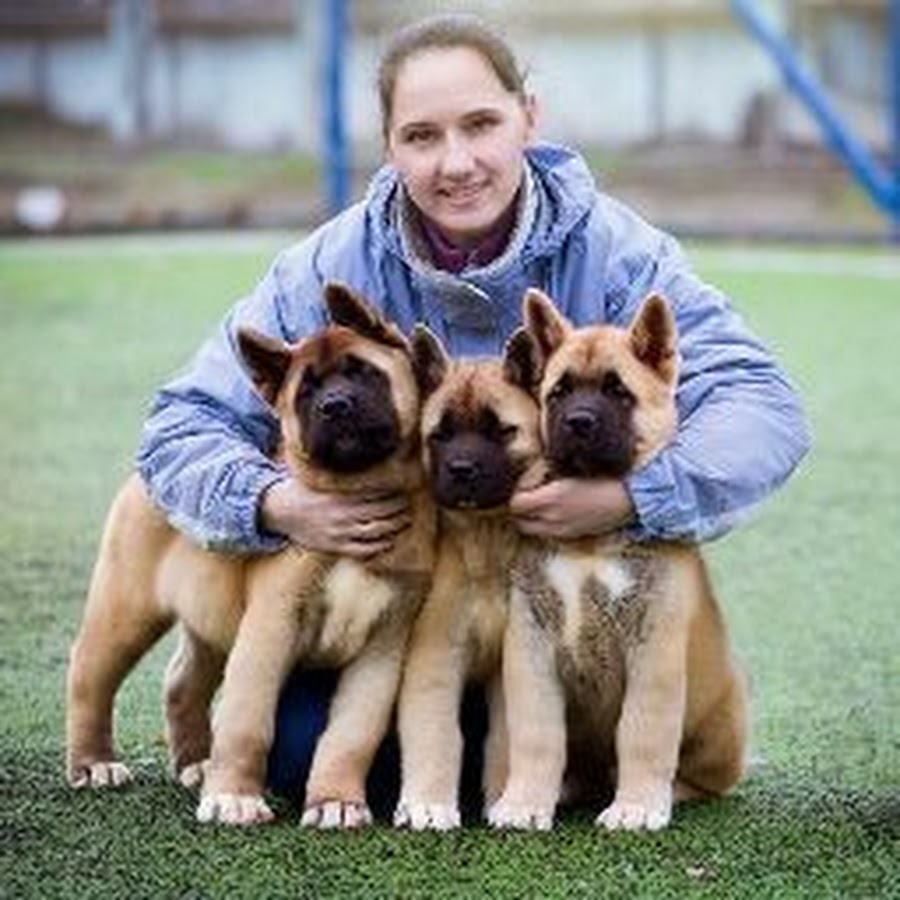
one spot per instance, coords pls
(457, 137)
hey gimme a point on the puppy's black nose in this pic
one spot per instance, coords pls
(581, 422)
(335, 405)
(464, 470)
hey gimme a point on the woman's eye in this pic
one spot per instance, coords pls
(477, 126)
(418, 136)
(508, 432)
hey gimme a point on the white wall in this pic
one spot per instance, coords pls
(78, 79)
(260, 91)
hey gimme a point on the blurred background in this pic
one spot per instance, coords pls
(775, 119)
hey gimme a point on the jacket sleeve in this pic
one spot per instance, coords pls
(742, 430)
(207, 444)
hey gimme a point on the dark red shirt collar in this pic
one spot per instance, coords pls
(450, 258)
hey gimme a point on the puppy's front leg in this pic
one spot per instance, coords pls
(262, 655)
(496, 743)
(357, 723)
(650, 726)
(431, 742)
(535, 714)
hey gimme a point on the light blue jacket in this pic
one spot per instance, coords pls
(205, 445)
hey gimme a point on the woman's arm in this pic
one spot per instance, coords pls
(742, 430)
(206, 451)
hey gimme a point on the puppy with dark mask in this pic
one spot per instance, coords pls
(617, 666)
(480, 440)
(349, 406)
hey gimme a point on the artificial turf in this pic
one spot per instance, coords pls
(89, 328)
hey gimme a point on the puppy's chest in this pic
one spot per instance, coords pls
(487, 612)
(352, 603)
(592, 605)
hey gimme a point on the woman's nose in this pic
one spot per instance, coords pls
(457, 158)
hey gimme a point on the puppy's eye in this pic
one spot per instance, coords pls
(613, 387)
(444, 431)
(562, 388)
(353, 366)
(494, 429)
(309, 382)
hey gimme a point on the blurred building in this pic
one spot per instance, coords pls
(245, 73)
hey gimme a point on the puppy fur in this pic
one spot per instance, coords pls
(617, 665)
(480, 439)
(352, 387)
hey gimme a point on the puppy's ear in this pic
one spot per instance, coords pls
(266, 359)
(430, 360)
(544, 322)
(351, 310)
(654, 338)
(522, 361)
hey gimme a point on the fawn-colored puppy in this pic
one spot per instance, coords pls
(616, 660)
(480, 438)
(349, 408)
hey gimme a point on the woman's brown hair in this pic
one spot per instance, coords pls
(443, 32)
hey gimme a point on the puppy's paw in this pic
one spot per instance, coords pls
(426, 816)
(193, 775)
(336, 814)
(106, 774)
(234, 809)
(630, 816)
(522, 817)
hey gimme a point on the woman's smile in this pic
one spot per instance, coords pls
(457, 139)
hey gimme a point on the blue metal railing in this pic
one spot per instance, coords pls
(881, 182)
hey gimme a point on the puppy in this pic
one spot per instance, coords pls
(620, 645)
(349, 405)
(480, 436)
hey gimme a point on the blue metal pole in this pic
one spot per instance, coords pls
(894, 83)
(337, 161)
(893, 74)
(882, 185)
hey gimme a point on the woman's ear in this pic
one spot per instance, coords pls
(532, 117)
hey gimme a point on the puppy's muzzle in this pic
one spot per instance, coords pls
(591, 440)
(464, 471)
(336, 406)
(581, 423)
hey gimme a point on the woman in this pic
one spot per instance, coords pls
(468, 213)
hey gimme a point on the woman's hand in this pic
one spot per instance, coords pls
(572, 508)
(351, 525)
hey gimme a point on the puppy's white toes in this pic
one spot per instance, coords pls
(234, 809)
(623, 816)
(106, 774)
(520, 818)
(192, 776)
(426, 816)
(336, 814)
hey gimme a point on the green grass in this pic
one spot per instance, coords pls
(90, 328)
